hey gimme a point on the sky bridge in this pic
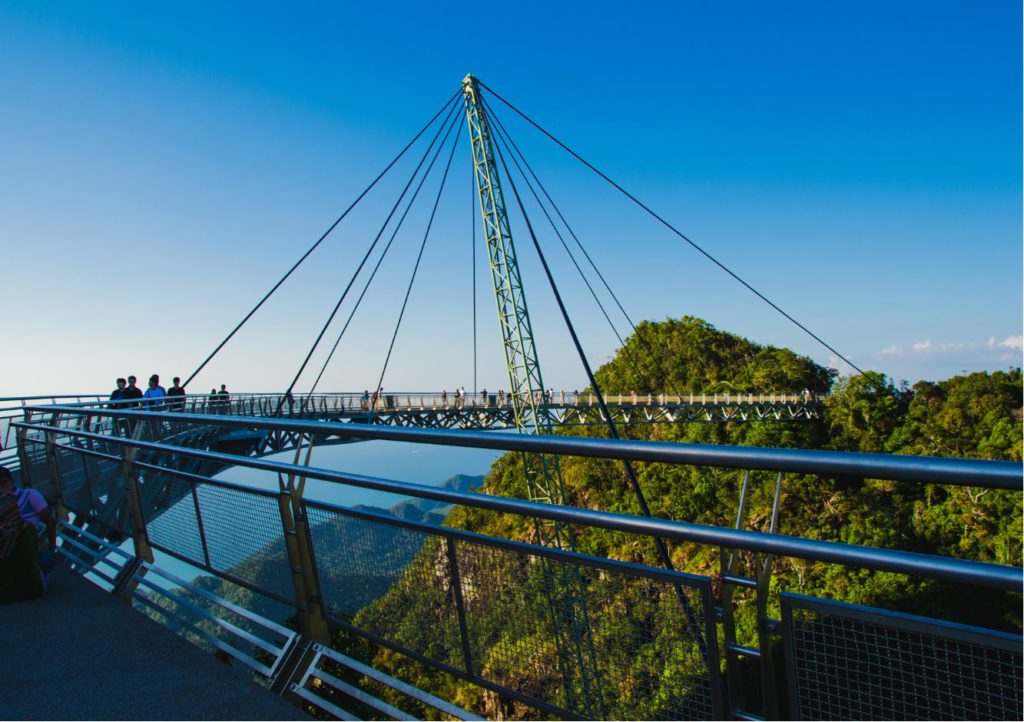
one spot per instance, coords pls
(339, 608)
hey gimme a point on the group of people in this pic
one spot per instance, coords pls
(28, 541)
(155, 398)
(546, 396)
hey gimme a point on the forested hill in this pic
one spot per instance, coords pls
(976, 416)
(691, 355)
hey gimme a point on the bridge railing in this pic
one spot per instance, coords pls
(468, 605)
(727, 407)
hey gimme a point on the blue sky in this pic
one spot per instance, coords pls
(163, 165)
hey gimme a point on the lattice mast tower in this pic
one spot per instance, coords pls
(524, 377)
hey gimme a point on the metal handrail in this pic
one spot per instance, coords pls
(944, 568)
(921, 469)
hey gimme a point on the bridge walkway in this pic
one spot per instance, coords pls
(80, 653)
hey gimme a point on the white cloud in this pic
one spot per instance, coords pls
(932, 348)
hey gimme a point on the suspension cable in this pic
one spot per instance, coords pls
(416, 267)
(672, 228)
(449, 123)
(373, 274)
(502, 135)
(508, 140)
(472, 258)
(320, 240)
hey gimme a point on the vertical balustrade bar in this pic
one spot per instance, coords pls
(56, 476)
(300, 560)
(202, 529)
(21, 436)
(140, 536)
(456, 581)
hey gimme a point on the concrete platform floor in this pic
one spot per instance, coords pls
(78, 653)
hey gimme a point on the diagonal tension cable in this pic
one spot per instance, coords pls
(449, 122)
(320, 240)
(502, 135)
(369, 280)
(416, 267)
(672, 228)
(508, 140)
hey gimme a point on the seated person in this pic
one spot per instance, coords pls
(35, 510)
(20, 575)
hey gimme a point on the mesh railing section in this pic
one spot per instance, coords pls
(390, 581)
(540, 624)
(245, 538)
(35, 470)
(851, 662)
(536, 621)
(172, 519)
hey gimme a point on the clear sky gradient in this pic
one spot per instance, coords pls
(161, 166)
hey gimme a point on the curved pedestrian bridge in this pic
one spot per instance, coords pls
(325, 603)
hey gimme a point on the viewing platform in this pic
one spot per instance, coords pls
(368, 613)
(81, 653)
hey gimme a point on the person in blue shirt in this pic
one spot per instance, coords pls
(155, 393)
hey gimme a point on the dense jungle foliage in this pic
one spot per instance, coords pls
(651, 673)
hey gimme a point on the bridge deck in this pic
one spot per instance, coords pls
(79, 653)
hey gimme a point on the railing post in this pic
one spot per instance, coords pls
(21, 436)
(296, 537)
(140, 537)
(460, 607)
(56, 477)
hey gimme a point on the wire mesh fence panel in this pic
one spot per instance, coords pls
(245, 538)
(35, 472)
(850, 662)
(652, 638)
(540, 625)
(73, 480)
(169, 508)
(387, 580)
(518, 616)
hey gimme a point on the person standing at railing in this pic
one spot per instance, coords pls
(132, 392)
(178, 403)
(223, 397)
(155, 394)
(118, 394)
(444, 398)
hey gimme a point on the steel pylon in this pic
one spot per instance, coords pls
(566, 590)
